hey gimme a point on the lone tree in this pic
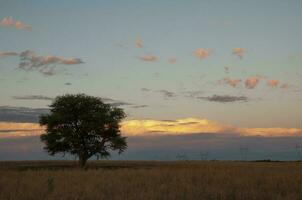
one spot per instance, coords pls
(84, 126)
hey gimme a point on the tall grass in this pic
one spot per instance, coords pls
(153, 180)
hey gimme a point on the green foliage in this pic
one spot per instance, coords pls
(82, 125)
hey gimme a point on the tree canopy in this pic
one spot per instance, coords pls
(84, 126)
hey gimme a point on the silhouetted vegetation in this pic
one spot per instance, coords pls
(84, 126)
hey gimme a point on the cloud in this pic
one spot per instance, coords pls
(201, 53)
(31, 115)
(173, 127)
(7, 53)
(11, 129)
(238, 52)
(251, 82)
(166, 93)
(148, 58)
(138, 43)
(273, 83)
(185, 126)
(145, 89)
(9, 22)
(139, 106)
(196, 126)
(21, 114)
(284, 86)
(172, 60)
(225, 98)
(44, 64)
(193, 94)
(33, 97)
(115, 102)
(271, 132)
(231, 82)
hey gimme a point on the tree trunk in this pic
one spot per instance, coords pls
(82, 162)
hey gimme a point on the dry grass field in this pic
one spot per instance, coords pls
(55, 180)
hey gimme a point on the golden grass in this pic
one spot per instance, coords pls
(151, 180)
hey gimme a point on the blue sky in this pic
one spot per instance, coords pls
(122, 50)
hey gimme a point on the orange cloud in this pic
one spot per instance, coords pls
(11, 129)
(231, 82)
(197, 125)
(5, 54)
(251, 82)
(272, 83)
(9, 22)
(180, 126)
(201, 53)
(148, 58)
(238, 52)
(162, 127)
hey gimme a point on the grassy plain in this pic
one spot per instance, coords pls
(146, 180)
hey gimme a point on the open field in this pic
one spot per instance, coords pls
(53, 180)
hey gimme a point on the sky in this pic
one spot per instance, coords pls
(182, 70)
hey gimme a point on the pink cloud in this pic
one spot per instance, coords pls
(251, 82)
(9, 22)
(44, 64)
(201, 53)
(148, 58)
(238, 52)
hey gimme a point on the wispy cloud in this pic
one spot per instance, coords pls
(166, 94)
(225, 98)
(7, 53)
(148, 58)
(115, 102)
(21, 114)
(44, 64)
(193, 94)
(284, 86)
(238, 52)
(251, 82)
(201, 53)
(9, 22)
(145, 89)
(33, 97)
